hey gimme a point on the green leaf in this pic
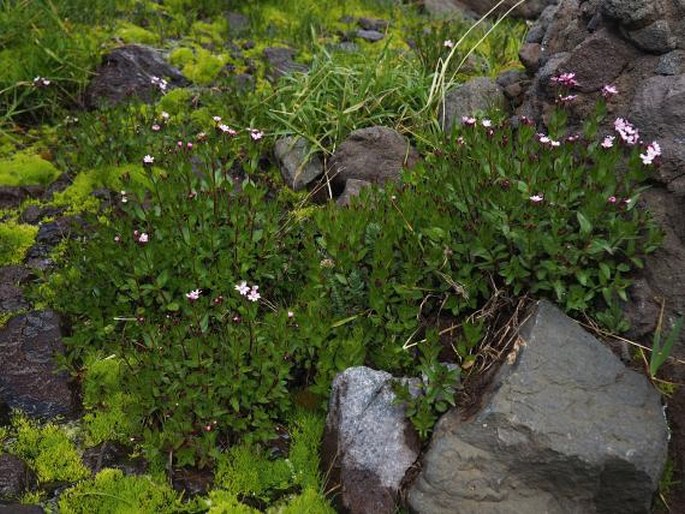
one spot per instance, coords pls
(585, 225)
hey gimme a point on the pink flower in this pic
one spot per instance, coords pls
(546, 140)
(608, 142)
(567, 99)
(117, 238)
(143, 238)
(242, 288)
(461, 141)
(189, 145)
(612, 199)
(653, 151)
(469, 121)
(609, 90)
(193, 295)
(179, 144)
(565, 79)
(156, 128)
(254, 295)
(573, 138)
(536, 198)
(629, 134)
(255, 134)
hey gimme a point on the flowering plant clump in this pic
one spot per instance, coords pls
(227, 299)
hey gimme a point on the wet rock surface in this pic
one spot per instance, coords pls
(15, 477)
(29, 379)
(546, 438)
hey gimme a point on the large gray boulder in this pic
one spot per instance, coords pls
(529, 9)
(368, 443)
(566, 428)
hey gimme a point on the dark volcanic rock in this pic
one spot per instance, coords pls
(12, 196)
(29, 345)
(352, 188)
(565, 428)
(15, 477)
(130, 71)
(11, 295)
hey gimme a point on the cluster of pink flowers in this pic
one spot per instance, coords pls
(156, 127)
(188, 145)
(565, 79)
(469, 121)
(251, 292)
(653, 151)
(608, 142)
(629, 134)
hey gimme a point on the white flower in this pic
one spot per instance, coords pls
(165, 116)
(608, 142)
(486, 123)
(216, 118)
(193, 295)
(242, 288)
(448, 43)
(653, 151)
(148, 159)
(254, 295)
(143, 238)
(256, 135)
(536, 198)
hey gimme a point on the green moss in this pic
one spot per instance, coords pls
(248, 470)
(210, 33)
(112, 492)
(77, 197)
(306, 432)
(206, 66)
(108, 407)
(48, 451)
(26, 168)
(176, 101)
(181, 56)
(310, 501)
(223, 502)
(15, 240)
(130, 33)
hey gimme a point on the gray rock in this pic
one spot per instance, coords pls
(29, 345)
(370, 35)
(672, 63)
(374, 154)
(15, 477)
(529, 9)
(280, 62)
(376, 24)
(352, 188)
(238, 24)
(477, 95)
(530, 55)
(298, 164)
(13, 196)
(565, 428)
(11, 296)
(17, 508)
(128, 72)
(368, 443)
(656, 37)
(630, 12)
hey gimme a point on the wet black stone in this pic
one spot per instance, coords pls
(15, 477)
